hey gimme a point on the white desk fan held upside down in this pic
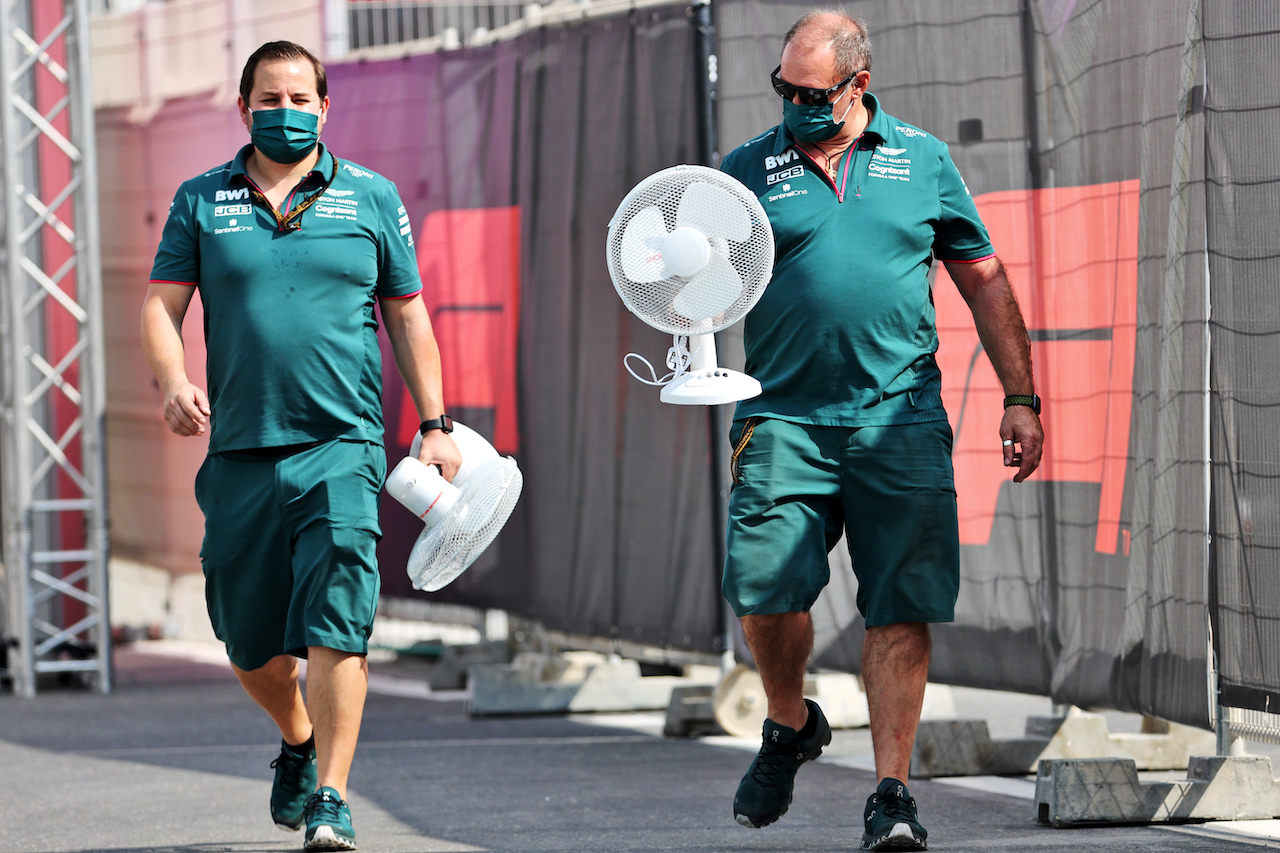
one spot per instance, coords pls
(690, 251)
(463, 517)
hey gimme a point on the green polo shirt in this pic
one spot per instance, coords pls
(844, 335)
(289, 298)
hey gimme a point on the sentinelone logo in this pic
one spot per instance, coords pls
(787, 192)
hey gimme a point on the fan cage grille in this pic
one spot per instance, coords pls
(486, 501)
(752, 259)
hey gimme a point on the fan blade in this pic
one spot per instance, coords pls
(641, 247)
(714, 211)
(709, 292)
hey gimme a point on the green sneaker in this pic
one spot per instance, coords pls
(891, 819)
(295, 781)
(328, 822)
(764, 795)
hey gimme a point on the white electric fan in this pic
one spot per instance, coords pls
(690, 251)
(462, 517)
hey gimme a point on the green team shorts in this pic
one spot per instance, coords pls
(891, 489)
(289, 549)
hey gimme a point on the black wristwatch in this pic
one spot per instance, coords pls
(444, 423)
(1032, 400)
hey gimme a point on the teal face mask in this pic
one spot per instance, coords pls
(284, 135)
(812, 124)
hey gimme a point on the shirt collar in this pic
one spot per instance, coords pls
(878, 125)
(323, 166)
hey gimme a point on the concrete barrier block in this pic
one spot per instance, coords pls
(1085, 735)
(965, 748)
(516, 688)
(1071, 792)
(840, 696)
(1238, 787)
(616, 685)
(568, 683)
(939, 703)
(1095, 790)
(450, 672)
(691, 713)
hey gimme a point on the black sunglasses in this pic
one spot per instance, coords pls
(809, 95)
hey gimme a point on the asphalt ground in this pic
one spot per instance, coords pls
(175, 760)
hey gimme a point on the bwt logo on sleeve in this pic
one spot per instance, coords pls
(231, 195)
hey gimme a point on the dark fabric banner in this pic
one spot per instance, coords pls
(511, 159)
(1242, 108)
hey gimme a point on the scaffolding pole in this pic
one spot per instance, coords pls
(52, 387)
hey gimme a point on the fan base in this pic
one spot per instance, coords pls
(710, 387)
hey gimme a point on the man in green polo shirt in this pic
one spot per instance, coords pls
(292, 249)
(849, 434)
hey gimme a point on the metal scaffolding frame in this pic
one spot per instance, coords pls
(52, 385)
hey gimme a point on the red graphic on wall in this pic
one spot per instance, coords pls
(470, 266)
(1080, 246)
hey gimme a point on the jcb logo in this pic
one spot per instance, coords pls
(772, 162)
(232, 195)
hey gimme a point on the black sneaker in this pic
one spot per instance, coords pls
(764, 795)
(891, 819)
(295, 781)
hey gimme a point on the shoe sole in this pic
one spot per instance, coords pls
(899, 838)
(289, 827)
(751, 823)
(326, 839)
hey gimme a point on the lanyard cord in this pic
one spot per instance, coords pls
(293, 221)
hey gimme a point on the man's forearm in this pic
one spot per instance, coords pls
(162, 344)
(417, 355)
(998, 320)
(419, 365)
(1004, 338)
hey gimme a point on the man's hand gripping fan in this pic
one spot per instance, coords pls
(463, 517)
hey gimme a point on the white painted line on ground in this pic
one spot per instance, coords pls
(413, 688)
(743, 743)
(860, 762)
(589, 740)
(1009, 786)
(1247, 831)
(641, 722)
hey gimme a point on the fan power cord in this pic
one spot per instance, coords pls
(678, 359)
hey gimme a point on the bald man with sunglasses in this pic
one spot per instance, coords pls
(850, 435)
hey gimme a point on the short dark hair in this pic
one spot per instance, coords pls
(846, 35)
(276, 50)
